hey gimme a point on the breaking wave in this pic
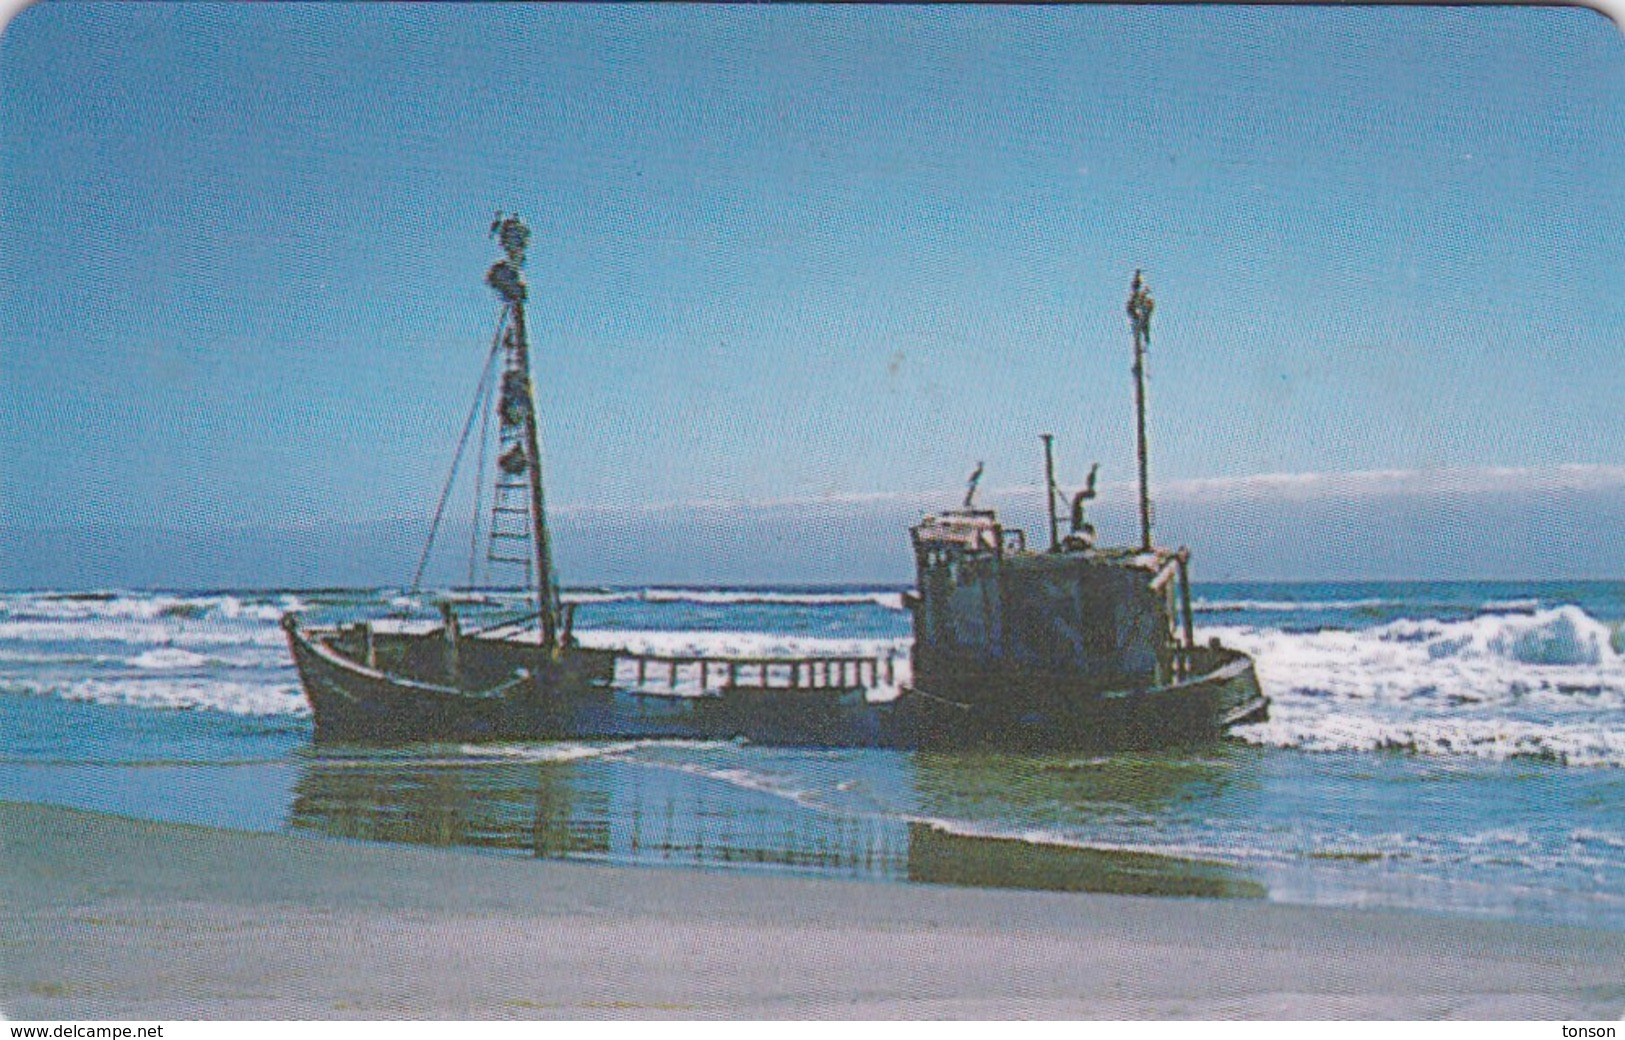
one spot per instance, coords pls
(156, 632)
(137, 606)
(168, 657)
(184, 693)
(1545, 685)
(157, 619)
(1564, 636)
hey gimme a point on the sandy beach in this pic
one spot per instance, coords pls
(115, 918)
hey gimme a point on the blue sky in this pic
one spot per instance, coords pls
(828, 257)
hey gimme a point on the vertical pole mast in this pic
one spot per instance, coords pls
(1140, 306)
(506, 278)
(546, 605)
(1049, 489)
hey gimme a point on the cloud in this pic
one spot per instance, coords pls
(1388, 483)
(1261, 487)
(1484, 522)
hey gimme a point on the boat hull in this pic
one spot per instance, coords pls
(1016, 710)
(572, 696)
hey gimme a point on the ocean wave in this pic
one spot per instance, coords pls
(234, 698)
(174, 658)
(168, 657)
(1512, 604)
(1562, 636)
(467, 755)
(1545, 685)
(1047, 837)
(745, 780)
(1493, 657)
(168, 632)
(136, 606)
(560, 751)
(582, 596)
(48, 657)
(1495, 847)
(1588, 836)
(1584, 743)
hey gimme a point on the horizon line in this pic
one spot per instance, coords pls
(1454, 481)
(809, 587)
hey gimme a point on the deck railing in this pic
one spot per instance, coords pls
(662, 672)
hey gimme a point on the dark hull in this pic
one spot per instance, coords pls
(1017, 711)
(572, 697)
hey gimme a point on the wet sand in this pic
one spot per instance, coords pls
(113, 918)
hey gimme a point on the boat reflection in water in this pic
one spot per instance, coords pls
(982, 821)
(943, 857)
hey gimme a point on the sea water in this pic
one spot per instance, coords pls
(1449, 747)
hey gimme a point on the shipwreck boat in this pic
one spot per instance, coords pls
(528, 677)
(1074, 647)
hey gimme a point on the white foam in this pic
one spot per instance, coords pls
(1497, 836)
(1487, 658)
(1562, 636)
(588, 596)
(558, 752)
(1045, 837)
(141, 607)
(168, 631)
(34, 657)
(1481, 738)
(1589, 836)
(746, 780)
(160, 620)
(236, 698)
(167, 657)
(1544, 685)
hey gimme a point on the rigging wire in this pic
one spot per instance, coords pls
(468, 426)
(484, 405)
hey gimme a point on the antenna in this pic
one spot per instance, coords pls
(970, 487)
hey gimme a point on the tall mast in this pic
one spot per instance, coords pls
(1140, 306)
(518, 406)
